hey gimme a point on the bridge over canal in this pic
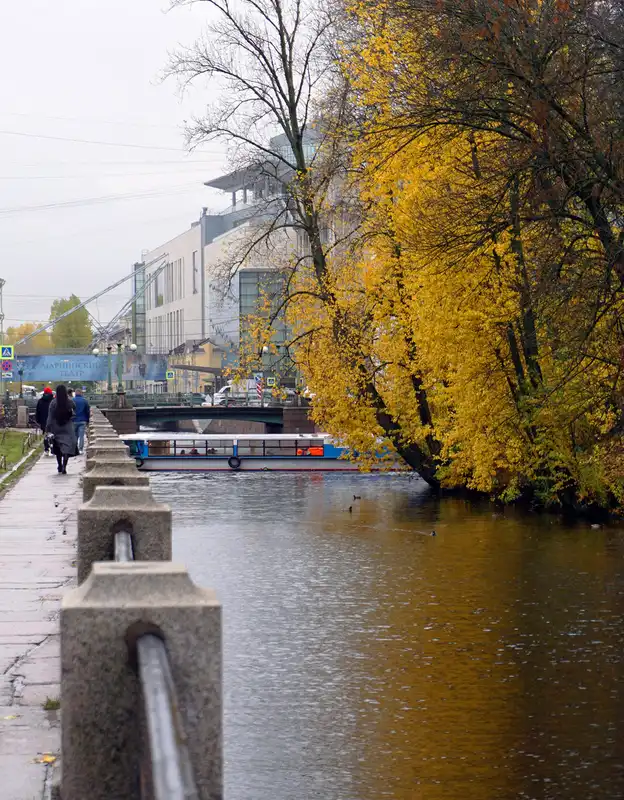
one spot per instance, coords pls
(277, 419)
(272, 416)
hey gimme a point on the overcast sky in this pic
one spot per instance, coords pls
(90, 70)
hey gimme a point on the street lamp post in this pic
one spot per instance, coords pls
(2, 282)
(120, 366)
(109, 350)
(20, 372)
(121, 392)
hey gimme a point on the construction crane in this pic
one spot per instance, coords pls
(53, 322)
(105, 330)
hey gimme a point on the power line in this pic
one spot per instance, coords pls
(87, 119)
(176, 189)
(100, 229)
(94, 175)
(90, 141)
(49, 296)
(116, 163)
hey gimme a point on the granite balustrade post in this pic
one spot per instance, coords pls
(98, 456)
(104, 437)
(100, 430)
(114, 508)
(112, 445)
(100, 623)
(112, 475)
(100, 427)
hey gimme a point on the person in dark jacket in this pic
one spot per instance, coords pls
(83, 415)
(61, 425)
(41, 415)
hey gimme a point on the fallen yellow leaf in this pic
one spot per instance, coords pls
(46, 758)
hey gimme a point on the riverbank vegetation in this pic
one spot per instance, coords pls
(454, 268)
(12, 448)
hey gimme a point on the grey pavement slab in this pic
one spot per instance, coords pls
(35, 695)
(37, 563)
(40, 670)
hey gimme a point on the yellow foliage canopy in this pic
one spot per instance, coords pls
(473, 319)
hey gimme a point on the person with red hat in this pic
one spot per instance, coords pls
(41, 416)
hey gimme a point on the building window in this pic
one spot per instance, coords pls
(195, 271)
(158, 291)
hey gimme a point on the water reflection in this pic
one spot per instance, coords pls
(366, 659)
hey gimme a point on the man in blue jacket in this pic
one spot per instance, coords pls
(83, 415)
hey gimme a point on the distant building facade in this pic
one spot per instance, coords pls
(189, 298)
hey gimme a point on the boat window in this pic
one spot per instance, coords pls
(159, 447)
(183, 447)
(218, 447)
(250, 447)
(202, 447)
(281, 447)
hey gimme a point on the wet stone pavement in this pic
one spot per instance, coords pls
(37, 551)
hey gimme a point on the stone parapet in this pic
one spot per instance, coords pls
(114, 508)
(101, 623)
(112, 475)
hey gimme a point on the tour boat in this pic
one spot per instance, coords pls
(246, 452)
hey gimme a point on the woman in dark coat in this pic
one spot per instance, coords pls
(41, 415)
(60, 425)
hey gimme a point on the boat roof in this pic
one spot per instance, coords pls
(147, 436)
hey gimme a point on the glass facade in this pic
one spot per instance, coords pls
(259, 293)
(138, 309)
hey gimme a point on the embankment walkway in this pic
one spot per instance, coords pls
(37, 551)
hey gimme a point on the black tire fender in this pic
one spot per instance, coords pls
(234, 462)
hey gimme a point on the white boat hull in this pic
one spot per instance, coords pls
(172, 464)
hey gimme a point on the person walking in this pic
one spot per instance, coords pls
(83, 415)
(61, 426)
(41, 416)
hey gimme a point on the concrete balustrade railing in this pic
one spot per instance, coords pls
(108, 474)
(106, 457)
(141, 684)
(114, 508)
(106, 626)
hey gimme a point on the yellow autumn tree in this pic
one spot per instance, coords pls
(467, 292)
(38, 344)
(454, 258)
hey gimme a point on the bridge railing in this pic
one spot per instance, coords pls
(138, 399)
(140, 648)
(194, 400)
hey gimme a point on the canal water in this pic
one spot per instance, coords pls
(366, 659)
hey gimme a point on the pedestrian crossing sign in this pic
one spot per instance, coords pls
(7, 351)
(170, 374)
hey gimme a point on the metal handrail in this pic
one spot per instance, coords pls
(171, 770)
(123, 546)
